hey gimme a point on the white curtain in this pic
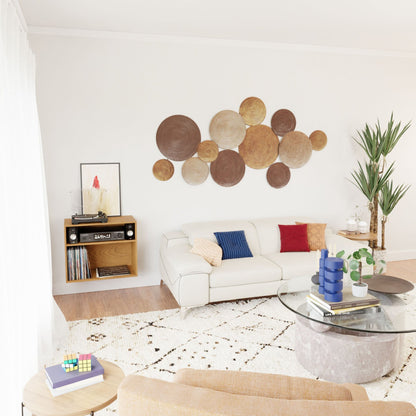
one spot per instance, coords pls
(27, 309)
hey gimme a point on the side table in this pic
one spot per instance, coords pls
(358, 236)
(85, 401)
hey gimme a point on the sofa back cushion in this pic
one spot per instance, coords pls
(269, 234)
(207, 229)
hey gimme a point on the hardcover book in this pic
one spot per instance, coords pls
(57, 377)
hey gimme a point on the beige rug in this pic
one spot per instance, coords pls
(255, 335)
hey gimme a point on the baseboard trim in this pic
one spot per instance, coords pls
(401, 255)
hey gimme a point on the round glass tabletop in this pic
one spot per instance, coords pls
(396, 313)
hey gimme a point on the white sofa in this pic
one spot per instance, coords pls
(194, 282)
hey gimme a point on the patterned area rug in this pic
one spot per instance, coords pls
(255, 335)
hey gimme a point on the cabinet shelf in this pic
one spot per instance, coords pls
(101, 253)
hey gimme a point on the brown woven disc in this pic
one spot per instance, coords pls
(228, 169)
(318, 139)
(195, 171)
(163, 169)
(295, 149)
(278, 175)
(253, 111)
(260, 147)
(208, 150)
(178, 137)
(283, 121)
(227, 129)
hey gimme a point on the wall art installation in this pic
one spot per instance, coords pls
(236, 140)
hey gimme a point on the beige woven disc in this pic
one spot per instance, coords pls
(227, 129)
(163, 169)
(295, 149)
(318, 139)
(195, 171)
(208, 150)
(260, 147)
(253, 111)
(278, 175)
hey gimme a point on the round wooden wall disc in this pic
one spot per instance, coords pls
(163, 169)
(283, 121)
(253, 111)
(278, 175)
(295, 149)
(178, 137)
(260, 147)
(208, 150)
(228, 169)
(195, 171)
(227, 129)
(318, 139)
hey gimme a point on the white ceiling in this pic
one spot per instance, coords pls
(388, 25)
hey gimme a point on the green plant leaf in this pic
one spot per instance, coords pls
(355, 275)
(340, 253)
(354, 264)
(356, 255)
(367, 276)
(370, 260)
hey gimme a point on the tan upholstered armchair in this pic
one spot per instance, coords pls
(237, 393)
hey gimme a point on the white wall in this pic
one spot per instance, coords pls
(101, 99)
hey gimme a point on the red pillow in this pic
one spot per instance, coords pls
(294, 238)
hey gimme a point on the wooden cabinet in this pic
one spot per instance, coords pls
(97, 243)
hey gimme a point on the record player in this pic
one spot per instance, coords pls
(89, 218)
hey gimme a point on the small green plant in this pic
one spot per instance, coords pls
(353, 263)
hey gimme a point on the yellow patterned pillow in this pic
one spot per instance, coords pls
(316, 235)
(209, 250)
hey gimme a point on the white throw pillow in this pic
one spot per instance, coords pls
(209, 250)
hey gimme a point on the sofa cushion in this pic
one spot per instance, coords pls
(293, 238)
(233, 244)
(244, 271)
(207, 229)
(295, 264)
(269, 234)
(316, 235)
(208, 250)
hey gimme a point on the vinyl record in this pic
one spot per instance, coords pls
(253, 111)
(178, 137)
(295, 149)
(195, 171)
(227, 129)
(260, 147)
(208, 150)
(278, 175)
(228, 169)
(318, 139)
(283, 121)
(163, 169)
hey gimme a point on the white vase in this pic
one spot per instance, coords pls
(359, 290)
(352, 225)
(362, 227)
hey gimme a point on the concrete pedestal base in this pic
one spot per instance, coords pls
(344, 356)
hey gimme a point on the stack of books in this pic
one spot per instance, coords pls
(61, 382)
(78, 263)
(112, 271)
(349, 305)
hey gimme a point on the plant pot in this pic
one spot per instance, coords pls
(359, 290)
(379, 256)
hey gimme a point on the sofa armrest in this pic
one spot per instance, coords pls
(268, 385)
(139, 395)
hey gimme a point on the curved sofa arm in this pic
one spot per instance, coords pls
(269, 385)
(145, 396)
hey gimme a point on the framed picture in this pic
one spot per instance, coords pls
(100, 188)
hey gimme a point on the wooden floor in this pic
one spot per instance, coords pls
(152, 298)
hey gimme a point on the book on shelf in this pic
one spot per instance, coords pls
(61, 382)
(348, 300)
(112, 271)
(78, 263)
(345, 311)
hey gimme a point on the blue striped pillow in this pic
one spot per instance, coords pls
(234, 244)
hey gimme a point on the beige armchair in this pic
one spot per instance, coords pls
(237, 393)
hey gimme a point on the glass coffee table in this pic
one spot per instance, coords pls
(354, 348)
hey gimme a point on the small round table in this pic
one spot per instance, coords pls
(87, 400)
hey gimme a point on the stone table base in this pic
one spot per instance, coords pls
(344, 356)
